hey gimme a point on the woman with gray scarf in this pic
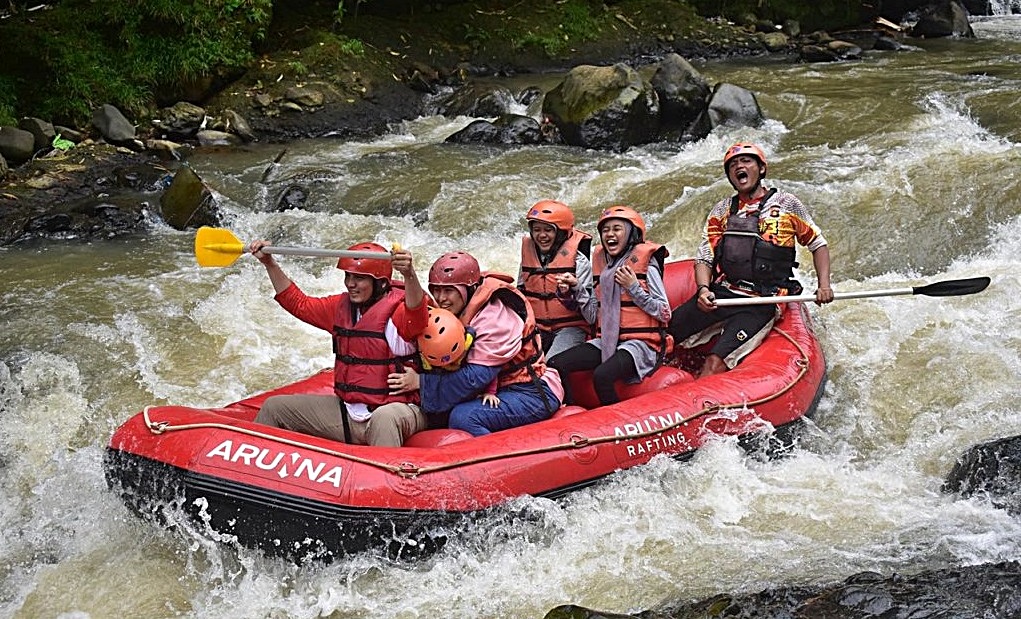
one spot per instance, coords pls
(629, 305)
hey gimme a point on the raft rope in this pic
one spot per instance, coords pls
(410, 471)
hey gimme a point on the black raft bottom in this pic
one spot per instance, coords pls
(275, 523)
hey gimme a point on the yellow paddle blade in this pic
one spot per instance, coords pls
(217, 247)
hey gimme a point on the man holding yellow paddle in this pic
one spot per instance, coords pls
(366, 344)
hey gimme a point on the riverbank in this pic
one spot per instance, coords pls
(320, 75)
(359, 77)
(403, 55)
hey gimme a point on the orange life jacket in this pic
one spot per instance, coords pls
(363, 357)
(635, 323)
(540, 284)
(530, 362)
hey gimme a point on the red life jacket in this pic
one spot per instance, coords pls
(540, 285)
(363, 357)
(635, 323)
(530, 363)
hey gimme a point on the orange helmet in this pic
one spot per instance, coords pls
(455, 268)
(552, 212)
(443, 342)
(623, 212)
(743, 148)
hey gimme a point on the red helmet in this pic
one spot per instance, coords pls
(455, 268)
(743, 148)
(622, 212)
(376, 268)
(443, 341)
(551, 212)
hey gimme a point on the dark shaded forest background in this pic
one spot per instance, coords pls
(63, 59)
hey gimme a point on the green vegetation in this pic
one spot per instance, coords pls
(328, 46)
(550, 29)
(66, 60)
(8, 97)
(341, 10)
(61, 144)
(569, 23)
(352, 47)
(338, 14)
(62, 61)
(476, 37)
(297, 68)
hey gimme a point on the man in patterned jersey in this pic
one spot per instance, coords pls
(747, 249)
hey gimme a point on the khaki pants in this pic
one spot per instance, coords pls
(320, 415)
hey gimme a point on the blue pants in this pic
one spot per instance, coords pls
(519, 405)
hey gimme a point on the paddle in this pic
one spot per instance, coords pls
(217, 247)
(949, 288)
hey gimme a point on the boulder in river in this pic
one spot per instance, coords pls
(188, 203)
(605, 108)
(992, 470)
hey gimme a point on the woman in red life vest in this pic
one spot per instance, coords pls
(367, 348)
(747, 249)
(552, 249)
(505, 348)
(630, 305)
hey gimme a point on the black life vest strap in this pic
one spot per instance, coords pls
(735, 204)
(352, 360)
(544, 270)
(350, 387)
(663, 339)
(552, 322)
(537, 383)
(396, 362)
(528, 361)
(343, 332)
(639, 276)
(641, 330)
(347, 423)
(544, 296)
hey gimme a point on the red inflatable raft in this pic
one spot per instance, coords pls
(299, 495)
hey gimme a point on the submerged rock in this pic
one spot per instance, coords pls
(991, 469)
(508, 129)
(956, 593)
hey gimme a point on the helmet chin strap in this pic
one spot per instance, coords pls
(471, 292)
(379, 289)
(558, 242)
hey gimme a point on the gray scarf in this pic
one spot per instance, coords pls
(609, 301)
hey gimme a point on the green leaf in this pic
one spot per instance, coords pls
(61, 144)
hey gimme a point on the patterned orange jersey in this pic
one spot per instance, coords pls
(783, 221)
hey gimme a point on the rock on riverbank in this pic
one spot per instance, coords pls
(320, 83)
(355, 80)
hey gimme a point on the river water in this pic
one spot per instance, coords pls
(911, 163)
